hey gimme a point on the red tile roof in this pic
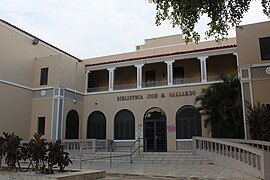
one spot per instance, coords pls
(40, 40)
(163, 55)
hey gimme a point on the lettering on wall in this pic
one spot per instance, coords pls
(129, 98)
(157, 95)
(183, 93)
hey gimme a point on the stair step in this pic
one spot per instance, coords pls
(182, 157)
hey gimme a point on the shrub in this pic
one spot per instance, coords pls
(57, 156)
(259, 122)
(11, 149)
(38, 150)
(1, 149)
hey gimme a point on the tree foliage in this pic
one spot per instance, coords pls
(221, 105)
(259, 122)
(222, 13)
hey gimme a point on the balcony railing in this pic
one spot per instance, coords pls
(176, 81)
(124, 86)
(98, 89)
(186, 80)
(154, 83)
(213, 78)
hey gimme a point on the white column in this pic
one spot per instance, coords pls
(236, 56)
(139, 75)
(86, 80)
(203, 68)
(170, 72)
(237, 62)
(111, 78)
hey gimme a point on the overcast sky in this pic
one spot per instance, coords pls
(91, 28)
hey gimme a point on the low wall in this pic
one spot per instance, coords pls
(78, 175)
(184, 145)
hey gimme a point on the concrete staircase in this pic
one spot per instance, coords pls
(180, 157)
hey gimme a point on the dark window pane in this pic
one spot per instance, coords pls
(124, 125)
(265, 48)
(44, 76)
(41, 125)
(72, 125)
(96, 126)
(150, 78)
(188, 123)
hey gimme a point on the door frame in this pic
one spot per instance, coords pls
(155, 120)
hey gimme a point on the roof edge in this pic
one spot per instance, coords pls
(162, 55)
(54, 47)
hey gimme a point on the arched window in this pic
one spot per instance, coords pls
(188, 123)
(124, 125)
(96, 125)
(72, 125)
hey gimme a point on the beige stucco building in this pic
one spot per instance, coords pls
(253, 47)
(149, 93)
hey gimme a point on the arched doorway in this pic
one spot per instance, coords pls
(72, 125)
(96, 125)
(188, 122)
(124, 125)
(155, 131)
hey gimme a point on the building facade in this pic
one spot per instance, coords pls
(149, 93)
(253, 47)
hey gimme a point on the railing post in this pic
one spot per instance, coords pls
(81, 158)
(130, 152)
(139, 146)
(194, 144)
(110, 154)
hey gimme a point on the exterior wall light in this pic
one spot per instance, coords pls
(35, 41)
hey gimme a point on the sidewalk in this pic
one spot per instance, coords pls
(166, 171)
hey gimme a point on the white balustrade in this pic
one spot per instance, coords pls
(244, 157)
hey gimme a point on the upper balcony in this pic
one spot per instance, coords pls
(167, 72)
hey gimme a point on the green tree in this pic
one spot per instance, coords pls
(221, 104)
(222, 13)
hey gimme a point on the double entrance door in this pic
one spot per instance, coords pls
(155, 135)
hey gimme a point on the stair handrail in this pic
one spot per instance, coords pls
(110, 148)
(137, 148)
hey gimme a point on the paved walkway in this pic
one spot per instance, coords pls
(166, 171)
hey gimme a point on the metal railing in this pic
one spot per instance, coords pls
(186, 80)
(124, 86)
(154, 83)
(111, 147)
(240, 156)
(98, 89)
(213, 78)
